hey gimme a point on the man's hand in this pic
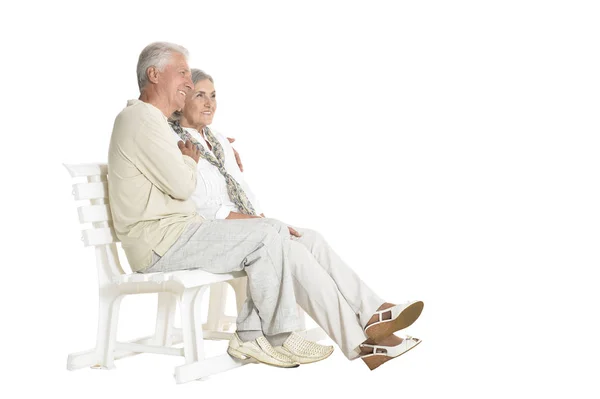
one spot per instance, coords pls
(237, 156)
(294, 232)
(189, 149)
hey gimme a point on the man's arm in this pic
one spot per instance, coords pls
(171, 169)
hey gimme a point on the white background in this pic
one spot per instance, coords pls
(448, 150)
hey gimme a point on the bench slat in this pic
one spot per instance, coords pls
(85, 191)
(94, 213)
(90, 169)
(101, 236)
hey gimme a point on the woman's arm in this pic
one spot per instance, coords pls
(238, 160)
(233, 170)
(237, 215)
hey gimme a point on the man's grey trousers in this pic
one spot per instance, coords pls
(282, 271)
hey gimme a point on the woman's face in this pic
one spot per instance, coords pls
(201, 104)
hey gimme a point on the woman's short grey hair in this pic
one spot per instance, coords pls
(156, 55)
(197, 76)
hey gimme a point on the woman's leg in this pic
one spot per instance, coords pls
(318, 295)
(332, 294)
(363, 300)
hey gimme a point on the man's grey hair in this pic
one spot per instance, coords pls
(156, 55)
(197, 76)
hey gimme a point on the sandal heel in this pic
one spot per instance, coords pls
(375, 361)
(381, 354)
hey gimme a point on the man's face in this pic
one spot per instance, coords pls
(176, 81)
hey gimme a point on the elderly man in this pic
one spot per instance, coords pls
(151, 181)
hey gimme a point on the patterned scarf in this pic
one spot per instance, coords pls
(235, 191)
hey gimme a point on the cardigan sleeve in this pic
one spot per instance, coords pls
(159, 158)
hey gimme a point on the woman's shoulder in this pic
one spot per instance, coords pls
(221, 137)
(217, 133)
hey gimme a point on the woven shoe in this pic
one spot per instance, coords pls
(304, 351)
(260, 350)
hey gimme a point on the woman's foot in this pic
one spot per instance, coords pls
(385, 316)
(390, 318)
(392, 340)
(374, 355)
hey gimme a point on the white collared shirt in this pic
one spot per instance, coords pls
(210, 197)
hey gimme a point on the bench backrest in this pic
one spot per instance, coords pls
(93, 191)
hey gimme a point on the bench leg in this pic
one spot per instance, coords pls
(106, 336)
(191, 323)
(216, 307)
(165, 318)
(239, 286)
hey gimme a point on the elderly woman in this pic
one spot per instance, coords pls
(354, 317)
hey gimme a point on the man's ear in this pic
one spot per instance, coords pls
(152, 74)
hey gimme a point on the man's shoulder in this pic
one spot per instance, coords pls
(139, 116)
(137, 111)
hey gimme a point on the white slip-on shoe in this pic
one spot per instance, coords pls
(304, 351)
(260, 350)
(400, 316)
(380, 354)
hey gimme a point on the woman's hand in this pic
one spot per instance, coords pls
(236, 215)
(293, 232)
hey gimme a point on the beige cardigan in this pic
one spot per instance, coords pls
(150, 183)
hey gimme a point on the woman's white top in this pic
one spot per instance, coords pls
(210, 197)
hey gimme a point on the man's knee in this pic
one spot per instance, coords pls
(269, 233)
(310, 236)
(281, 228)
(270, 246)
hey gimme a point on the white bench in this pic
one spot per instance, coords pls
(185, 288)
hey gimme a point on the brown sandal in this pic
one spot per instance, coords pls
(401, 316)
(381, 354)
